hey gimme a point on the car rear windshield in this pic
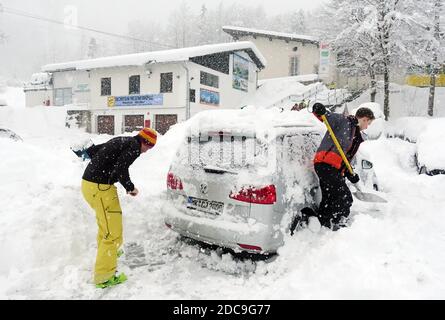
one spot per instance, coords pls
(224, 151)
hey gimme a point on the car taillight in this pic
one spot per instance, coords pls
(250, 247)
(263, 195)
(173, 182)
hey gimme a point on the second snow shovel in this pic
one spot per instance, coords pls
(363, 196)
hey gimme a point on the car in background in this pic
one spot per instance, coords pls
(6, 133)
(364, 168)
(428, 135)
(430, 148)
(238, 180)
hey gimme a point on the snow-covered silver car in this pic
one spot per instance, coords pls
(239, 187)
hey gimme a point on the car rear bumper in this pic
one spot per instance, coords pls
(239, 236)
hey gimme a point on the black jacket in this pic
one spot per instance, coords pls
(110, 161)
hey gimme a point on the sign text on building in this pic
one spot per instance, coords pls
(136, 100)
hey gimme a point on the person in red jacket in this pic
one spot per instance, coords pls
(336, 199)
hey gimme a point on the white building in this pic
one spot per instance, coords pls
(287, 54)
(39, 91)
(155, 89)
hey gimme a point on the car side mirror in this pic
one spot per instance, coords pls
(366, 164)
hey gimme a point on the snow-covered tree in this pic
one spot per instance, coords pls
(298, 22)
(2, 35)
(204, 25)
(151, 33)
(180, 30)
(374, 36)
(92, 48)
(437, 45)
(356, 46)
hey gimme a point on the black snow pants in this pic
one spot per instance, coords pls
(336, 199)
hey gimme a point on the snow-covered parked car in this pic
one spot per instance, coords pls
(430, 154)
(364, 168)
(406, 128)
(428, 135)
(6, 133)
(240, 176)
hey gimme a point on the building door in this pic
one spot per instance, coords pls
(105, 125)
(134, 122)
(165, 121)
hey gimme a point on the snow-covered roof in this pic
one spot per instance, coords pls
(139, 59)
(40, 78)
(241, 31)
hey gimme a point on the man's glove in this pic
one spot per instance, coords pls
(319, 109)
(353, 178)
(133, 193)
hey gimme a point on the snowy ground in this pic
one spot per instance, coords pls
(47, 232)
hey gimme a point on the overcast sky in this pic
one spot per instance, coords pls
(28, 39)
(111, 14)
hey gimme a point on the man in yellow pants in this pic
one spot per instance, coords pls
(109, 164)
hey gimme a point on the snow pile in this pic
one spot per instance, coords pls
(271, 91)
(12, 96)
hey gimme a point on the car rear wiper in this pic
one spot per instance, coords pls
(217, 170)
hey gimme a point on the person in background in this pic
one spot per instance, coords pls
(109, 164)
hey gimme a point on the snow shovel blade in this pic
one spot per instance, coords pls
(369, 197)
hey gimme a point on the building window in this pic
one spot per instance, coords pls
(163, 122)
(210, 80)
(167, 82)
(192, 95)
(134, 122)
(134, 85)
(105, 87)
(293, 70)
(63, 96)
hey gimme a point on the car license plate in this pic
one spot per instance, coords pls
(213, 207)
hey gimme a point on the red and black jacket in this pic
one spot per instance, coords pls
(348, 134)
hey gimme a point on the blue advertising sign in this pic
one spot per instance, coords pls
(209, 97)
(240, 73)
(136, 100)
